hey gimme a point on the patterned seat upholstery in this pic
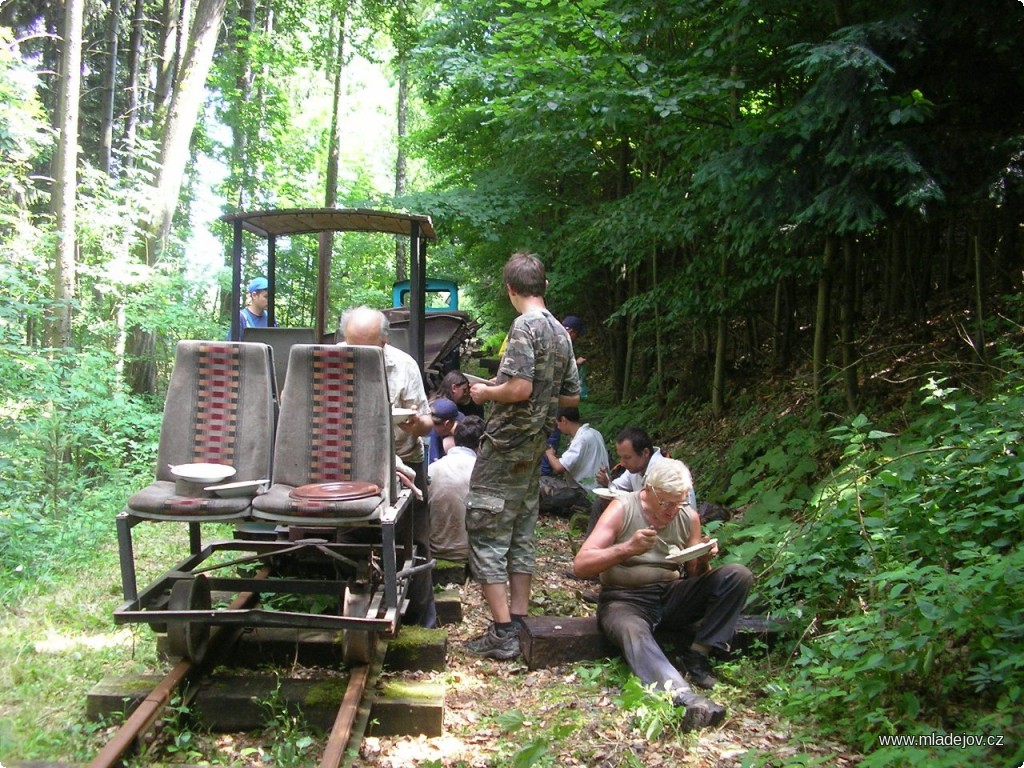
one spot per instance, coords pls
(219, 410)
(334, 427)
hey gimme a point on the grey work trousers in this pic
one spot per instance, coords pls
(708, 604)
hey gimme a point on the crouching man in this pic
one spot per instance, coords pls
(643, 591)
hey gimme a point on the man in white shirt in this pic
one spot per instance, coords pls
(449, 485)
(576, 471)
(637, 455)
(369, 327)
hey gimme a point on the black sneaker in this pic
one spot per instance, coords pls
(494, 645)
(698, 667)
(701, 712)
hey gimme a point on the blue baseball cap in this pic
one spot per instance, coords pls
(574, 323)
(258, 284)
(444, 409)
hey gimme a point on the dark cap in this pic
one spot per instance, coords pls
(573, 323)
(445, 409)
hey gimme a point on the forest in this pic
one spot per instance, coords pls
(793, 230)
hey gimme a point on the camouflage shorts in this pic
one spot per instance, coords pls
(501, 514)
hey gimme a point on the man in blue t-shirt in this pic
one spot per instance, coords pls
(254, 314)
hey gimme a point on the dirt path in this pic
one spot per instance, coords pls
(570, 717)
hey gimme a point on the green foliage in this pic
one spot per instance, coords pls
(903, 574)
(288, 735)
(71, 441)
(24, 136)
(654, 714)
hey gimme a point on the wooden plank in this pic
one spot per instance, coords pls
(449, 607)
(548, 641)
(118, 695)
(404, 707)
(417, 648)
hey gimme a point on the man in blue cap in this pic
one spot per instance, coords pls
(254, 314)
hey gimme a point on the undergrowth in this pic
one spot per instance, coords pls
(900, 575)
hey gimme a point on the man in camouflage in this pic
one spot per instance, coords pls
(537, 374)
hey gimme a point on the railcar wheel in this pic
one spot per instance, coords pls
(189, 639)
(356, 644)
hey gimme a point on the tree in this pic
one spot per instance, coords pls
(65, 174)
(182, 114)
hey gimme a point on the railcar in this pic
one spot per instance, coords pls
(285, 440)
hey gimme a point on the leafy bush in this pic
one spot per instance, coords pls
(906, 572)
(72, 447)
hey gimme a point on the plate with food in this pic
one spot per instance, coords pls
(608, 493)
(476, 379)
(681, 555)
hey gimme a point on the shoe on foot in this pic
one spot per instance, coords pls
(701, 712)
(698, 668)
(493, 644)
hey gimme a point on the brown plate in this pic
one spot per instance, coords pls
(343, 490)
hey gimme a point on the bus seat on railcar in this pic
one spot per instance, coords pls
(334, 435)
(219, 409)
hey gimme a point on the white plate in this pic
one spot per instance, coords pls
(202, 473)
(608, 493)
(241, 488)
(398, 415)
(692, 553)
(476, 379)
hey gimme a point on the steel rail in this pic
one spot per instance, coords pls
(150, 709)
(352, 716)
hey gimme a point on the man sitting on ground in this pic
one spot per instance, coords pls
(576, 471)
(446, 415)
(643, 591)
(449, 485)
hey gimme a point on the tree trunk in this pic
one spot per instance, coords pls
(109, 80)
(66, 174)
(241, 164)
(183, 112)
(659, 370)
(326, 239)
(718, 377)
(135, 56)
(847, 327)
(629, 362)
(821, 319)
(334, 144)
(167, 64)
(980, 342)
(400, 160)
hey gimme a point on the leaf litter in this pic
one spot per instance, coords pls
(500, 713)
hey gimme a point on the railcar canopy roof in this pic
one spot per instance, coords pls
(293, 221)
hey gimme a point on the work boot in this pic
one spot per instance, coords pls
(701, 712)
(495, 644)
(698, 668)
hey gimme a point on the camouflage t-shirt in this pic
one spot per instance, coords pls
(538, 349)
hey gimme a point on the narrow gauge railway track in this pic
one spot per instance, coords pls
(184, 676)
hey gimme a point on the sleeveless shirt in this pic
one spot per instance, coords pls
(650, 567)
